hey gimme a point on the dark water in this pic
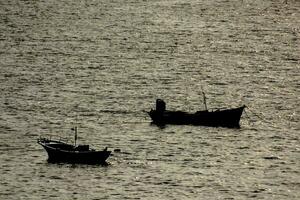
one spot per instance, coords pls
(99, 64)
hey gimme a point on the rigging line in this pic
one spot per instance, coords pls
(256, 115)
(247, 116)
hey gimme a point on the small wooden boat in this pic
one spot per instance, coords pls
(61, 152)
(229, 118)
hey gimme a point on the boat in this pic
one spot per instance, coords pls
(229, 118)
(61, 152)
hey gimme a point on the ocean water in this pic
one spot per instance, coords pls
(100, 64)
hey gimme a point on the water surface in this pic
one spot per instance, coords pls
(99, 65)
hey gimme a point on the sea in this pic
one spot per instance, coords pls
(100, 65)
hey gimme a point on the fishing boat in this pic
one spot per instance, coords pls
(61, 152)
(229, 118)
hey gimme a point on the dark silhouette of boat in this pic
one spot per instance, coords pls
(62, 152)
(229, 118)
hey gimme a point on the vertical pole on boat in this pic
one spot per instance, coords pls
(204, 98)
(75, 130)
(75, 136)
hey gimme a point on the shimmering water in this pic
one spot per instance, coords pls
(99, 64)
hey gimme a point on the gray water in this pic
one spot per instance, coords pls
(99, 64)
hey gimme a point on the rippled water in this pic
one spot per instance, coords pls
(99, 64)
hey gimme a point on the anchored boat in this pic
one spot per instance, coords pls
(62, 152)
(229, 118)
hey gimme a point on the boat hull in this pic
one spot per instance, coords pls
(63, 153)
(229, 118)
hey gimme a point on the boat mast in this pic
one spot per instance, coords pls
(204, 100)
(75, 135)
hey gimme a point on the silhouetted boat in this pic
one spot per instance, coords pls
(224, 118)
(61, 152)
